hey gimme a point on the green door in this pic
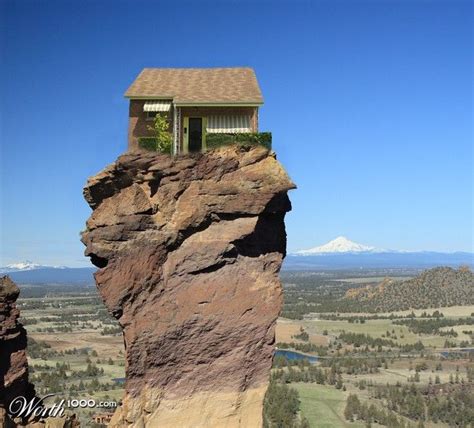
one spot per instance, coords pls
(195, 134)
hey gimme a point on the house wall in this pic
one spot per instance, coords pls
(138, 123)
(216, 111)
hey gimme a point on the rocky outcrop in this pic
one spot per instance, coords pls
(14, 366)
(13, 361)
(189, 250)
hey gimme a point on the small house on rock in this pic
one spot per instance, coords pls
(201, 105)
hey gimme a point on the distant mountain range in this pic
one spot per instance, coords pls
(26, 265)
(34, 273)
(342, 253)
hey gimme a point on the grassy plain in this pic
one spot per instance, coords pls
(375, 328)
(438, 370)
(323, 405)
(448, 311)
(74, 356)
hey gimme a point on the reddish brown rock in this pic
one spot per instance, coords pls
(189, 251)
(14, 365)
(13, 361)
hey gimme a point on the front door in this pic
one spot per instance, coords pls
(195, 134)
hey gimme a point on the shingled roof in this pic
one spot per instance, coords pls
(198, 85)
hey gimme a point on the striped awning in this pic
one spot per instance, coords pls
(228, 124)
(159, 105)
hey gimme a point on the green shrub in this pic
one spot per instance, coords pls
(151, 144)
(148, 143)
(162, 138)
(261, 138)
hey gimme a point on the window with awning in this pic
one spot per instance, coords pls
(228, 124)
(157, 106)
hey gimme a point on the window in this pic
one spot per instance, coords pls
(150, 115)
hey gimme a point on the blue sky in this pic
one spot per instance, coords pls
(370, 105)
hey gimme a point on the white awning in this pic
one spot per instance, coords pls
(228, 124)
(157, 105)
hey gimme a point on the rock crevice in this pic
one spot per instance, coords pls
(189, 250)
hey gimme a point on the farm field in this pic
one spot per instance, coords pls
(375, 328)
(410, 369)
(75, 350)
(448, 311)
(323, 405)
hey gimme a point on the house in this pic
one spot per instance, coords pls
(196, 101)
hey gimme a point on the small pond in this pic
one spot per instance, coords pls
(293, 355)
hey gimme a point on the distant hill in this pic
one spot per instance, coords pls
(442, 286)
(51, 275)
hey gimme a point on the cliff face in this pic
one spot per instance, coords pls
(13, 361)
(189, 251)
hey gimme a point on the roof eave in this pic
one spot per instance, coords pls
(178, 103)
(149, 97)
(218, 103)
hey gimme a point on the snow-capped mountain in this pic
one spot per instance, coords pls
(25, 266)
(339, 245)
(342, 253)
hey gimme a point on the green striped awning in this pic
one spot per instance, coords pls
(158, 105)
(228, 124)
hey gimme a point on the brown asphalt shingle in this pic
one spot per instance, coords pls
(198, 85)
